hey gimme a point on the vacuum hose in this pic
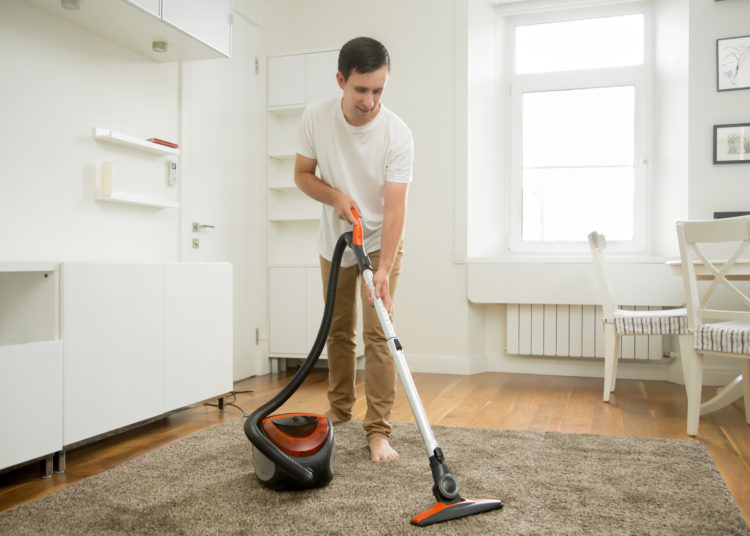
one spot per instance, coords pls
(303, 475)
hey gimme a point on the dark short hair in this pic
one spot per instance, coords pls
(364, 55)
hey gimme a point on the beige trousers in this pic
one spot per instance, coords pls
(380, 371)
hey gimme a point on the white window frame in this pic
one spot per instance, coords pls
(637, 76)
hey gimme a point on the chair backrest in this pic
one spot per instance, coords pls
(694, 237)
(598, 244)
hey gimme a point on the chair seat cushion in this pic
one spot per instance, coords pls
(732, 337)
(663, 322)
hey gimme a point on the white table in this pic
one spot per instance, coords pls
(741, 272)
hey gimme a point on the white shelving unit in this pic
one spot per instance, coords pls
(110, 195)
(295, 287)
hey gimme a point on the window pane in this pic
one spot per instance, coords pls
(567, 204)
(580, 44)
(580, 127)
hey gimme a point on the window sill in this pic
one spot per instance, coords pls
(544, 258)
(571, 280)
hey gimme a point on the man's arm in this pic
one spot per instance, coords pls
(393, 227)
(305, 179)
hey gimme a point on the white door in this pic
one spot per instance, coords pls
(221, 181)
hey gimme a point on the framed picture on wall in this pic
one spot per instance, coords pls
(733, 63)
(732, 144)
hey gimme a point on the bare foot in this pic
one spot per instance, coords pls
(334, 420)
(381, 450)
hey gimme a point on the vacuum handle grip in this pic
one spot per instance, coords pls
(357, 238)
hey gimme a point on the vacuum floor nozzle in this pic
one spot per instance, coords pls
(445, 512)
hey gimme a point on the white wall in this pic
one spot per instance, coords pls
(715, 187)
(58, 82)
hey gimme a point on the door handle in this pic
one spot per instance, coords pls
(198, 227)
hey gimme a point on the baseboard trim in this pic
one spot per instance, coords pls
(447, 364)
(662, 370)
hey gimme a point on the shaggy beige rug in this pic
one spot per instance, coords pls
(550, 483)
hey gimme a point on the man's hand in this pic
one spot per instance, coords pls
(382, 290)
(343, 205)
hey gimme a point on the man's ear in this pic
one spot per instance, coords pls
(340, 80)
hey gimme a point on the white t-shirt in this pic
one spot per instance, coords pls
(356, 161)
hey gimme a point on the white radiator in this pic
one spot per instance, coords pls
(570, 331)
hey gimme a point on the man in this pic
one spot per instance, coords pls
(365, 154)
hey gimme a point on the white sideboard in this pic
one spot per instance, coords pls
(137, 341)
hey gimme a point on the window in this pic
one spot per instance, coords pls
(578, 90)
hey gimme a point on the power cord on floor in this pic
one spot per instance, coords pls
(233, 394)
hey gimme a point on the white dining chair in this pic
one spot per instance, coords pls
(621, 322)
(718, 308)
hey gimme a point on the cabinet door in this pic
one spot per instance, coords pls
(288, 296)
(198, 332)
(314, 306)
(31, 400)
(286, 80)
(152, 6)
(206, 20)
(113, 328)
(321, 69)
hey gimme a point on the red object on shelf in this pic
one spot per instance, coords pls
(163, 142)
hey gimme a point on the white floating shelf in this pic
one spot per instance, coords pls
(282, 186)
(104, 134)
(282, 156)
(137, 199)
(301, 217)
(287, 109)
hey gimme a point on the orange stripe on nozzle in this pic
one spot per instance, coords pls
(357, 231)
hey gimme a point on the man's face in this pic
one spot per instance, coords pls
(362, 93)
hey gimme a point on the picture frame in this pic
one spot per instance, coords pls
(733, 63)
(732, 144)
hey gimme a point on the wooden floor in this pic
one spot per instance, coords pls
(489, 400)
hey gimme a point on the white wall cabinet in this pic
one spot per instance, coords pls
(192, 29)
(288, 310)
(299, 79)
(209, 21)
(142, 340)
(296, 311)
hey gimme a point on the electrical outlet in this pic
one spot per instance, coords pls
(196, 243)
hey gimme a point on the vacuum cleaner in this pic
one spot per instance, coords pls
(296, 451)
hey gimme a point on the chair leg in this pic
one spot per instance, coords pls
(611, 346)
(692, 365)
(745, 367)
(615, 363)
